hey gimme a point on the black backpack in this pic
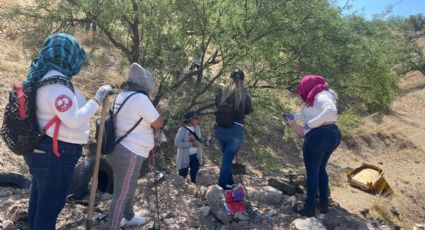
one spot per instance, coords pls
(109, 136)
(20, 129)
(225, 114)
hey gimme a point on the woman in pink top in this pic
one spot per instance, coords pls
(321, 137)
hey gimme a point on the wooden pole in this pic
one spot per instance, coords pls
(89, 217)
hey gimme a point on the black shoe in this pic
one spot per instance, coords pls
(324, 208)
(305, 211)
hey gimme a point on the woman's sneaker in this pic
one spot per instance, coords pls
(136, 220)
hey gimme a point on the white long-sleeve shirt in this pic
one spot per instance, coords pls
(71, 108)
(324, 110)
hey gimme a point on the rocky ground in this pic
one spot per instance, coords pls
(187, 206)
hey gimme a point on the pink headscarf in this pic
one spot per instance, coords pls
(309, 86)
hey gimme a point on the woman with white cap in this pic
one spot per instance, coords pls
(128, 155)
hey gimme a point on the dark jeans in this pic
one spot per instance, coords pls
(230, 141)
(194, 168)
(51, 180)
(318, 146)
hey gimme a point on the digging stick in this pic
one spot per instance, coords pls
(89, 218)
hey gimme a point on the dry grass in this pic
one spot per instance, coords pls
(381, 210)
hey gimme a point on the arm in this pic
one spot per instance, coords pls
(328, 108)
(298, 116)
(298, 129)
(65, 105)
(147, 110)
(158, 123)
(180, 140)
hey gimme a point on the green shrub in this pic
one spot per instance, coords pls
(348, 122)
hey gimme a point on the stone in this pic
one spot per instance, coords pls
(205, 211)
(311, 223)
(215, 199)
(370, 227)
(266, 195)
(240, 225)
(240, 216)
(8, 225)
(270, 213)
(385, 227)
(207, 175)
(419, 227)
(180, 181)
(282, 185)
(292, 201)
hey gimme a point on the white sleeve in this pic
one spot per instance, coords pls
(145, 108)
(328, 111)
(298, 116)
(64, 103)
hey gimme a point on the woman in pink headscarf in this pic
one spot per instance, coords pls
(321, 137)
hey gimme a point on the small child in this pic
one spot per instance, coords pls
(189, 146)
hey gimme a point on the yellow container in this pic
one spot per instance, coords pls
(369, 178)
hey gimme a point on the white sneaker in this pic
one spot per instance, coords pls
(136, 220)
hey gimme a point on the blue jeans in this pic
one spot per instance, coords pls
(230, 141)
(318, 146)
(194, 168)
(51, 180)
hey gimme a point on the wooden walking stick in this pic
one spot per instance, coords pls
(89, 217)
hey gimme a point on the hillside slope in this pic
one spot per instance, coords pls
(393, 142)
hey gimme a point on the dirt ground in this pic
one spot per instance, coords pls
(394, 142)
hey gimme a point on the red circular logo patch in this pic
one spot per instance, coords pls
(63, 103)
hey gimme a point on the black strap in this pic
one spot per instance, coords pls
(122, 104)
(119, 109)
(129, 131)
(193, 133)
(57, 79)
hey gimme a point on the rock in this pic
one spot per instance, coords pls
(195, 203)
(292, 201)
(395, 211)
(266, 195)
(191, 189)
(240, 225)
(283, 186)
(270, 213)
(370, 226)
(205, 211)
(385, 227)
(202, 191)
(215, 200)
(8, 225)
(207, 176)
(180, 181)
(297, 179)
(365, 212)
(419, 227)
(311, 223)
(240, 216)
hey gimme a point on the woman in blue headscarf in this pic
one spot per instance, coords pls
(64, 114)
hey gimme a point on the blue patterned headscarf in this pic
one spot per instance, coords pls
(61, 52)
